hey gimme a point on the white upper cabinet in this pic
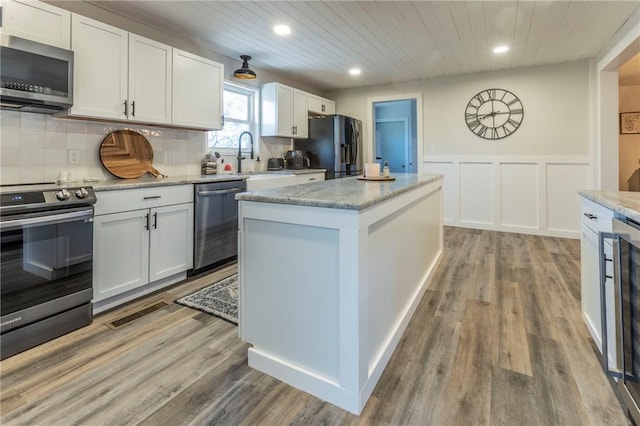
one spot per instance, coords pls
(37, 21)
(118, 75)
(197, 91)
(284, 111)
(320, 105)
(150, 74)
(300, 114)
(100, 69)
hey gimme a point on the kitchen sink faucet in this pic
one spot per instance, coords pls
(240, 157)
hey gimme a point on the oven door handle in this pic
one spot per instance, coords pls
(44, 220)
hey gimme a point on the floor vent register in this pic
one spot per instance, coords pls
(134, 316)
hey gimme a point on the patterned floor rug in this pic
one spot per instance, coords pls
(219, 299)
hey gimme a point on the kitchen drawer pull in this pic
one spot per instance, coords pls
(591, 216)
(152, 197)
(310, 179)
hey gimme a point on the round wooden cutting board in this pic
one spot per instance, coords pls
(127, 154)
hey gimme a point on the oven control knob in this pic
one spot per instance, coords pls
(63, 194)
(82, 193)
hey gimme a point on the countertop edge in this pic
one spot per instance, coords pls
(623, 202)
(272, 196)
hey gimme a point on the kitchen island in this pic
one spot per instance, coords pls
(330, 275)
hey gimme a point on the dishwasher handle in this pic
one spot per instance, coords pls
(220, 191)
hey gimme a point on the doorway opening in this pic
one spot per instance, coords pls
(396, 129)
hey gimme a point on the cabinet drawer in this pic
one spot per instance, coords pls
(142, 198)
(309, 177)
(596, 216)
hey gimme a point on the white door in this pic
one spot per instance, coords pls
(100, 69)
(171, 240)
(121, 253)
(149, 80)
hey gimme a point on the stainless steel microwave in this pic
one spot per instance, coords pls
(35, 77)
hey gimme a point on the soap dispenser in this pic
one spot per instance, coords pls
(385, 169)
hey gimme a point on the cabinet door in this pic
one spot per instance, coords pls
(329, 107)
(37, 21)
(590, 283)
(149, 95)
(300, 114)
(315, 103)
(100, 69)
(197, 91)
(121, 253)
(284, 111)
(171, 240)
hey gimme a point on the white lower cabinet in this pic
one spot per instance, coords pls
(595, 218)
(309, 177)
(134, 249)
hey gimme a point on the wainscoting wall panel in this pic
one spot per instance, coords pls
(519, 194)
(531, 195)
(476, 192)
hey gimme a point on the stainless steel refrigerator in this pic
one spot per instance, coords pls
(334, 144)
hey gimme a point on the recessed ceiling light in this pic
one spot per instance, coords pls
(282, 29)
(354, 71)
(500, 49)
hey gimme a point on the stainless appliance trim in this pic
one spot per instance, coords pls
(26, 316)
(623, 233)
(215, 223)
(41, 220)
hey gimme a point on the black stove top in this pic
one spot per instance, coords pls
(46, 196)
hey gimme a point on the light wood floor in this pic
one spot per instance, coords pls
(497, 339)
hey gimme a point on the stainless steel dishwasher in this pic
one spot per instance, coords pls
(216, 223)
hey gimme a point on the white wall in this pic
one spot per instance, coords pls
(629, 145)
(527, 182)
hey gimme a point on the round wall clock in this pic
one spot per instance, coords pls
(494, 114)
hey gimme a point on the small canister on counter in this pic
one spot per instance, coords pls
(209, 165)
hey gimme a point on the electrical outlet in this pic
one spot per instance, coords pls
(74, 156)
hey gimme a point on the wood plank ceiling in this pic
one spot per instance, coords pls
(390, 41)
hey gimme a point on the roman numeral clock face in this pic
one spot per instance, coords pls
(494, 114)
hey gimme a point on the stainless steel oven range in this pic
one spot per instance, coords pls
(623, 360)
(46, 263)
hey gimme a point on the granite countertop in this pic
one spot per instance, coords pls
(346, 193)
(150, 181)
(625, 203)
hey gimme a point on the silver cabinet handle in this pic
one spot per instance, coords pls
(126, 108)
(591, 216)
(310, 179)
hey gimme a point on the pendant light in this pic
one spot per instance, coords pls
(244, 73)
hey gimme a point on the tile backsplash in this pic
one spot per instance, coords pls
(35, 148)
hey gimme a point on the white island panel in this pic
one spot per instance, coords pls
(328, 282)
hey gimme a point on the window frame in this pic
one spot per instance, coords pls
(253, 95)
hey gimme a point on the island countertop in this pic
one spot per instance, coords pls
(623, 202)
(347, 193)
